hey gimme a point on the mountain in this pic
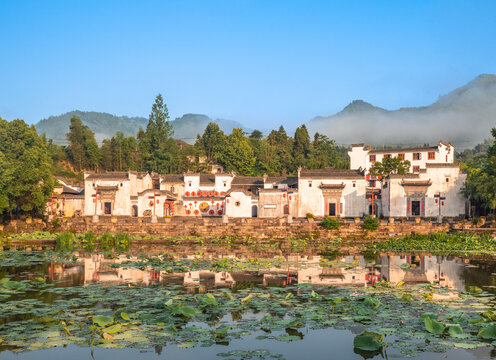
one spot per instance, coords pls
(102, 124)
(464, 116)
(106, 125)
(188, 126)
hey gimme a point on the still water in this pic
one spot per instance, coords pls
(261, 307)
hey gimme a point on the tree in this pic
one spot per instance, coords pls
(480, 186)
(237, 155)
(390, 165)
(301, 146)
(212, 141)
(25, 169)
(324, 154)
(158, 149)
(256, 134)
(83, 148)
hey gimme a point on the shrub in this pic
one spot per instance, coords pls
(330, 223)
(371, 223)
(89, 237)
(476, 220)
(490, 217)
(310, 216)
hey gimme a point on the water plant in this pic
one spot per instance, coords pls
(370, 223)
(330, 223)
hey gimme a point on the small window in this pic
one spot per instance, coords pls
(225, 183)
(387, 156)
(172, 189)
(309, 184)
(341, 208)
(447, 179)
(94, 185)
(121, 184)
(401, 156)
(237, 203)
(371, 183)
(432, 155)
(416, 169)
(189, 184)
(372, 158)
(354, 184)
(417, 156)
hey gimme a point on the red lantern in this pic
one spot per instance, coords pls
(290, 198)
(436, 201)
(211, 212)
(199, 194)
(193, 193)
(284, 195)
(151, 202)
(213, 202)
(210, 193)
(157, 201)
(196, 212)
(442, 203)
(204, 193)
(216, 193)
(186, 193)
(219, 212)
(188, 212)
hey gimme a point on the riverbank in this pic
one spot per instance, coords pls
(256, 228)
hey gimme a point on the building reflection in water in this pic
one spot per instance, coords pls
(309, 269)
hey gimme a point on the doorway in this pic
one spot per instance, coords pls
(135, 210)
(332, 209)
(107, 208)
(415, 208)
(254, 211)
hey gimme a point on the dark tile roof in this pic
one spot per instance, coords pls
(106, 188)
(68, 190)
(331, 173)
(173, 178)
(207, 179)
(109, 176)
(248, 180)
(402, 150)
(289, 180)
(416, 183)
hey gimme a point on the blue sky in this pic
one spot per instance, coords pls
(263, 63)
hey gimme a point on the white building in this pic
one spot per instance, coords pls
(363, 157)
(332, 192)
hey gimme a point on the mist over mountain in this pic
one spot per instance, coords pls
(464, 116)
(105, 125)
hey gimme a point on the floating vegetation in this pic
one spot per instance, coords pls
(438, 242)
(38, 314)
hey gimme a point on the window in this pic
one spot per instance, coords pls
(189, 183)
(447, 179)
(172, 189)
(225, 183)
(416, 169)
(237, 203)
(431, 155)
(309, 184)
(387, 156)
(121, 184)
(354, 183)
(371, 183)
(372, 158)
(401, 156)
(417, 156)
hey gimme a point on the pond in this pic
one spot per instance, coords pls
(181, 302)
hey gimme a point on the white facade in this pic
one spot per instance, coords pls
(330, 192)
(432, 192)
(363, 157)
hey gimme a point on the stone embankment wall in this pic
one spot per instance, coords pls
(215, 227)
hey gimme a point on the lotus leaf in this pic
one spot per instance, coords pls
(368, 341)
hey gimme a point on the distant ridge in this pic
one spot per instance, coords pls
(463, 116)
(105, 125)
